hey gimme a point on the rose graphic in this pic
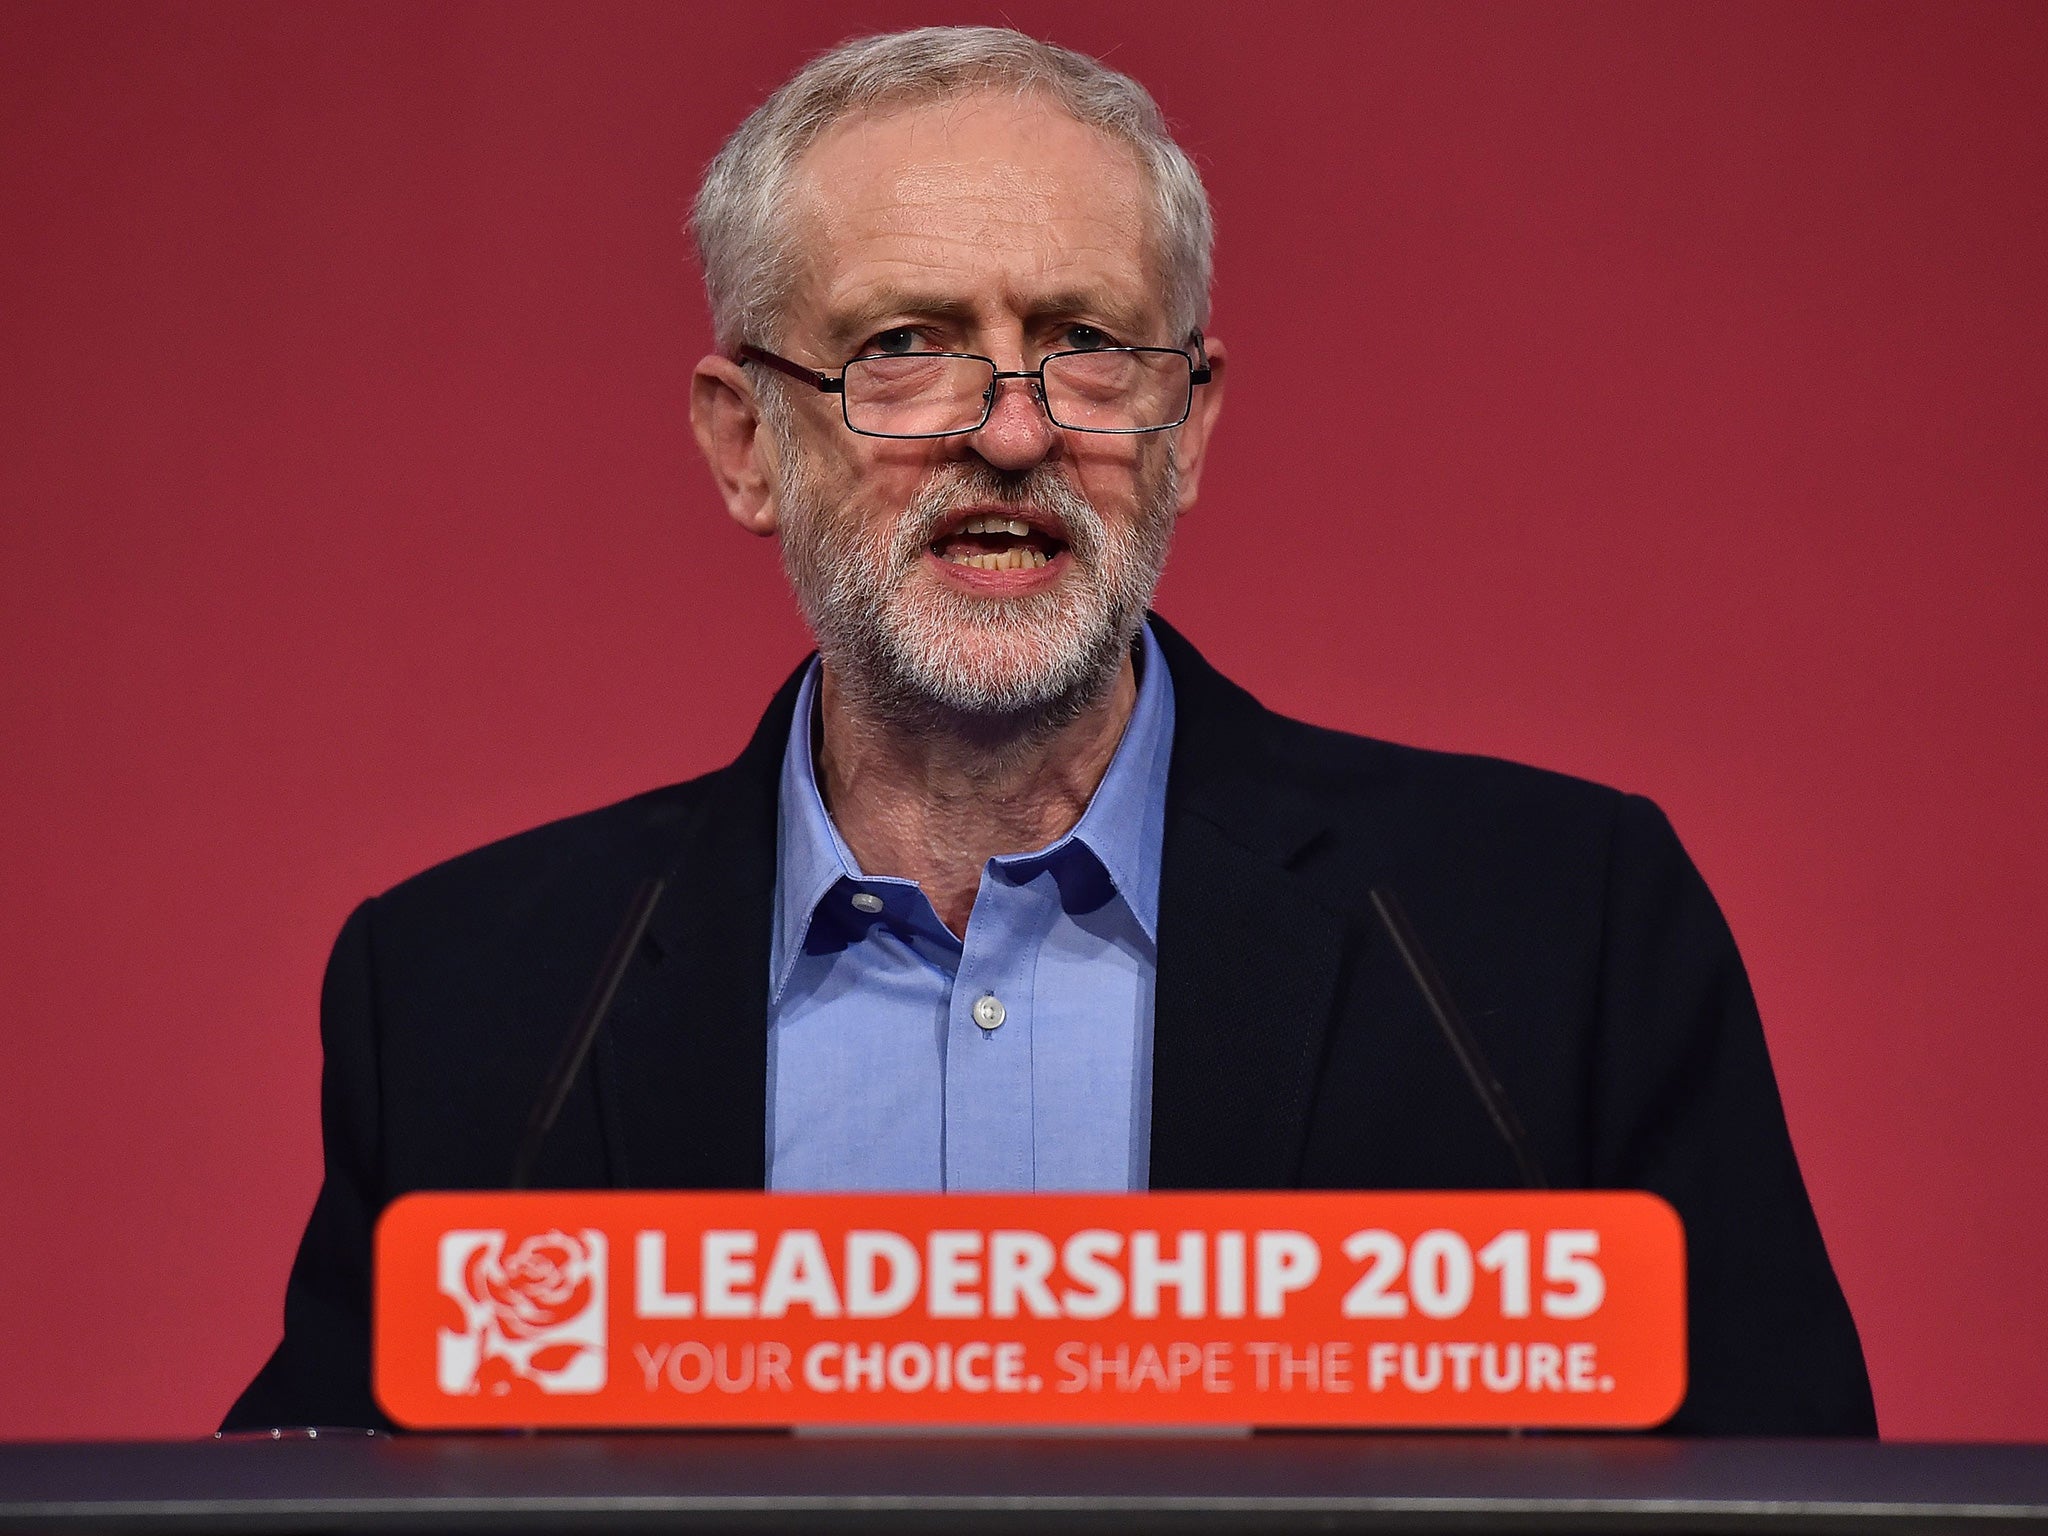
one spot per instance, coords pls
(542, 1284)
(532, 1312)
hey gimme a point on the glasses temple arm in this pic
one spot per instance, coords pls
(826, 383)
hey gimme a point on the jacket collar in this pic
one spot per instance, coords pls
(1248, 966)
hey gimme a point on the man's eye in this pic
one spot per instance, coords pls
(1085, 338)
(902, 339)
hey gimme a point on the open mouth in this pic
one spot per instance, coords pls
(997, 542)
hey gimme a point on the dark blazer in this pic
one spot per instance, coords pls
(1290, 1049)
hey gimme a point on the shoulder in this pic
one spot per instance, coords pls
(490, 923)
(1342, 768)
(1470, 833)
(555, 875)
(1237, 757)
(629, 835)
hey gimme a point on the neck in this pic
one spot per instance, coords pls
(934, 800)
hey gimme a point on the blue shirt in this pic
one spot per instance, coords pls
(900, 1057)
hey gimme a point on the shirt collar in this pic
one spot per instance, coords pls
(1123, 826)
(1125, 822)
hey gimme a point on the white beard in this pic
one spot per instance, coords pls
(918, 655)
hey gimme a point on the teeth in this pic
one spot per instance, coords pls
(1009, 560)
(1011, 525)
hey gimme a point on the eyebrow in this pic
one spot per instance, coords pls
(854, 326)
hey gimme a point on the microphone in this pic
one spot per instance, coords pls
(554, 1092)
(1464, 1044)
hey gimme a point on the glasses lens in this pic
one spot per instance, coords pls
(917, 395)
(1119, 389)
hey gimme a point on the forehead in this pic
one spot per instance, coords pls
(990, 200)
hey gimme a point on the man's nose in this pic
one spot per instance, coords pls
(1018, 433)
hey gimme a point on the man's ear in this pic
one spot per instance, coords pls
(1191, 441)
(736, 443)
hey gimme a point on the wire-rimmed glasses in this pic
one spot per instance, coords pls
(942, 394)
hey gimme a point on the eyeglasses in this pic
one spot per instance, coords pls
(943, 394)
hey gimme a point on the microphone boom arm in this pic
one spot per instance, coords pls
(1464, 1044)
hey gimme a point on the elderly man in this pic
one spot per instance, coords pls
(1010, 890)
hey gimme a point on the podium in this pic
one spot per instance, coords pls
(769, 1484)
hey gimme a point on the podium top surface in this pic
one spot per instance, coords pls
(868, 1483)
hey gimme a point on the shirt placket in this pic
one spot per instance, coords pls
(988, 1043)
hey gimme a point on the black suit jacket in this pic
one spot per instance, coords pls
(1290, 1049)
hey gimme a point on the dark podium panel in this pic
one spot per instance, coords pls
(776, 1483)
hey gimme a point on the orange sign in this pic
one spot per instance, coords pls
(603, 1310)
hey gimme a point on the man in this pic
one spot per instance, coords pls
(1010, 890)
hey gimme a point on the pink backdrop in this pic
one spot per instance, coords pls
(1651, 392)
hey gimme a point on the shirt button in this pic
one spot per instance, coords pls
(989, 1013)
(867, 901)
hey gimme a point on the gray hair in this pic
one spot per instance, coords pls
(750, 262)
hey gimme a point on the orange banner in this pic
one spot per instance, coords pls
(598, 1310)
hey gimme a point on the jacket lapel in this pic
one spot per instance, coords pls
(1248, 959)
(682, 1065)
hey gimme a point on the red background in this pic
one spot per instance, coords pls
(1651, 392)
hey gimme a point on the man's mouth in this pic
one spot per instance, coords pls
(996, 542)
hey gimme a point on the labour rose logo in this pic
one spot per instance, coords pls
(533, 1312)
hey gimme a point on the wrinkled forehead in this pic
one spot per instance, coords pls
(993, 187)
